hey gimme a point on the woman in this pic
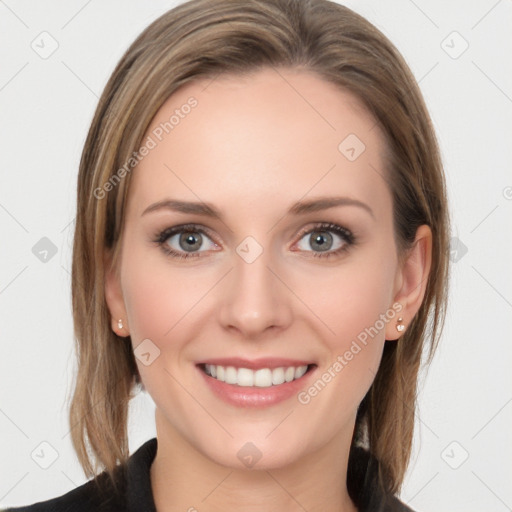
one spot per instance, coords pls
(261, 244)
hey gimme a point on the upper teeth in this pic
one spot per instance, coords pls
(262, 378)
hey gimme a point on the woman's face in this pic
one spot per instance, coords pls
(265, 279)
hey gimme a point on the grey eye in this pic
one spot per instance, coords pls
(320, 240)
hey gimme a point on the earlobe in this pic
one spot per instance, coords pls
(114, 298)
(412, 279)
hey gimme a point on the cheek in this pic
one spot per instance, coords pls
(354, 308)
(159, 302)
(164, 304)
(157, 294)
(149, 300)
(350, 298)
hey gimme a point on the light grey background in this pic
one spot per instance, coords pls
(465, 402)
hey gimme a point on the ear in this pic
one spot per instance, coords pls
(411, 281)
(114, 297)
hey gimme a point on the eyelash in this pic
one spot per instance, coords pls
(347, 236)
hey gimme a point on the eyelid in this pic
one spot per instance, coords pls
(325, 226)
(197, 228)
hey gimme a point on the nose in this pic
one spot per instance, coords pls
(254, 299)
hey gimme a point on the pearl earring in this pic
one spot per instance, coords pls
(120, 323)
(400, 326)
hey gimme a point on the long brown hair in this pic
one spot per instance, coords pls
(201, 39)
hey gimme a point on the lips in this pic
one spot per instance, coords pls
(234, 386)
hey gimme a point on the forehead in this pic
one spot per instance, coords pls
(269, 135)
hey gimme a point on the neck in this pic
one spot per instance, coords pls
(182, 478)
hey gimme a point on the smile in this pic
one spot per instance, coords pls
(261, 378)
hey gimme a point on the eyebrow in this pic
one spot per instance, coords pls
(298, 208)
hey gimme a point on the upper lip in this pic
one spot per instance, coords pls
(256, 364)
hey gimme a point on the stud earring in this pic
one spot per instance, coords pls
(120, 323)
(400, 326)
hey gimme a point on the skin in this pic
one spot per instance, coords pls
(252, 147)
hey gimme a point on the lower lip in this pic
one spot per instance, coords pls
(245, 396)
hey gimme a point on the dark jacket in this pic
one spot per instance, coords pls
(135, 493)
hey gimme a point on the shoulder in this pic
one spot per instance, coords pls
(86, 497)
(393, 504)
(132, 491)
(364, 487)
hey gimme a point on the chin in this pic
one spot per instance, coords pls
(246, 454)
